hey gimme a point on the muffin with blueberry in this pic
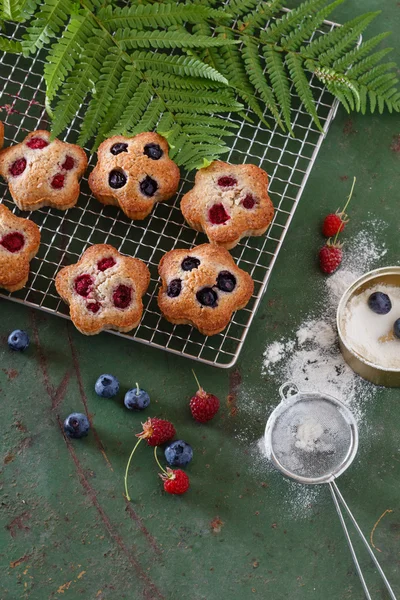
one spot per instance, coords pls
(134, 173)
(202, 287)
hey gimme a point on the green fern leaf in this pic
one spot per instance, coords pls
(103, 95)
(310, 24)
(81, 80)
(368, 63)
(240, 7)
(260, 16)
(221, 97)
(179, 65)
(374, 73)
(50, 20)
(149, 118)
(130, 39)
(184, 83)
(7, 45)
(204, 121)
(66, 51)
(216, 131)
(281, 27)
(338, 81)
(279, 81)
(17, 10)
(322, 42)
(356, 55)
(302, 85)
(134, 109)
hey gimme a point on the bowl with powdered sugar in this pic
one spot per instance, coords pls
(368, 322)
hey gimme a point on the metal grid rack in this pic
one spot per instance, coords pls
(65, 235)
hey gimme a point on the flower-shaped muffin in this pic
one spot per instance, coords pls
(134, 173)
(19, 243)
(104, 290)
(43, 173)
(202, 287)
(229, 202)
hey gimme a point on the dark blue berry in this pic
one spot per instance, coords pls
(207, 297)
(189, 263)
(153, 151)
(107, 386)
(148, 186)
(178, 453)
(136, 399)
(396, 328)
(116, 179)
(18, 340)
(226, 282)
(379, 303)
(118, 148)
(174, 288)
(76, 425)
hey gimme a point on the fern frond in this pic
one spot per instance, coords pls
(281, 27)
(221, 97)
(51, 18)
(356, 55)
(311, 23)
(156, 15)
(374, 73)
(130, 39)
(81, 80)
(204, 121)
(302, 85)
(216, 131)
(240, 7)
(338, 81)
(150, 117)
(323, 42)
(134, 109)
(66, 51)
(17, 10)
(279, 82)
(182, 83)
(179, 65)
(260, 16)
(7, 45)
(368, 63)
(103, 94)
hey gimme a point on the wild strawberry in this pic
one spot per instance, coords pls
(175, 481)
(156, 431)
(330, 257)
(204, 406)
(333, 224)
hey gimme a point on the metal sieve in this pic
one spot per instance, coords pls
(313, 438)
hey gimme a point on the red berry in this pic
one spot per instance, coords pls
(105, 263)
(333, 224)
(18, 167)
(94, 307)
(157, 431)
(82, 284)
(204, 406)
(175, 481)
(68, 163)
(248, 202)
(13, 242)
(226, 181)
(218, 215)
(37, 143)
(122, 296)
(58, 181)
(330, 257)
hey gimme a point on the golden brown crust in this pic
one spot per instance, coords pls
(250, 181)
(136, 166)
(185, 308)
(14, 266)
(127, 271)
(32, 189)
(1, 134)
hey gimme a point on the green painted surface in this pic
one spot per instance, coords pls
(66, 530)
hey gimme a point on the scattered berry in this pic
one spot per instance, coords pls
(330, 257)
(396, 328)
(18, 340)
(204, 406)
(107, 386)
(76, 425)
(380, 303)
(333, 224)
(175, 481)
(136, 399)
(156, 431)
(178, 453)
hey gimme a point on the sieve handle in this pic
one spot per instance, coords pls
(337, 497)
(285, 389)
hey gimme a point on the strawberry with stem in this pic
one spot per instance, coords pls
(204, 406)
(175, 481)
(336, 222)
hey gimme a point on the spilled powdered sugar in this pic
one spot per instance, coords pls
(310, 357)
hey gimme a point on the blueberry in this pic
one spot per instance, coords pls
(379, 303)
(174, 288)
(178, 453)
(136, 399)
(396, 328)
(118, 148)
(207, 297)
(226, 282)
(116, 179)
(18, 340)
(153, 151)
(189, 263)
(107, 386)
(148, 186)
(76, 425)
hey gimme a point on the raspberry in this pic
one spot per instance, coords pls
(175, 481)
(18, 167)
(82, 285)
(94, 307)
(204, 406)
(122, 296)
(218, 215)
(105, 263)
(227, 181)
(248, 202)
(157, 431)
(58, 181)
(37, 143)
(333, 224)
(330, 257)
(13, 242)
(68, 163)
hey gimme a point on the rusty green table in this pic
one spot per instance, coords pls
(66, 529)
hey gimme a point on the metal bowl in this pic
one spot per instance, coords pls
(370, 371)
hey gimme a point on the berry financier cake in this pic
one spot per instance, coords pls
(104, 290)
(19, 243)
(134, 173)
(43, 173)
(229, 202)
(202, 287)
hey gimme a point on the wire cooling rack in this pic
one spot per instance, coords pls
(65, 235)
